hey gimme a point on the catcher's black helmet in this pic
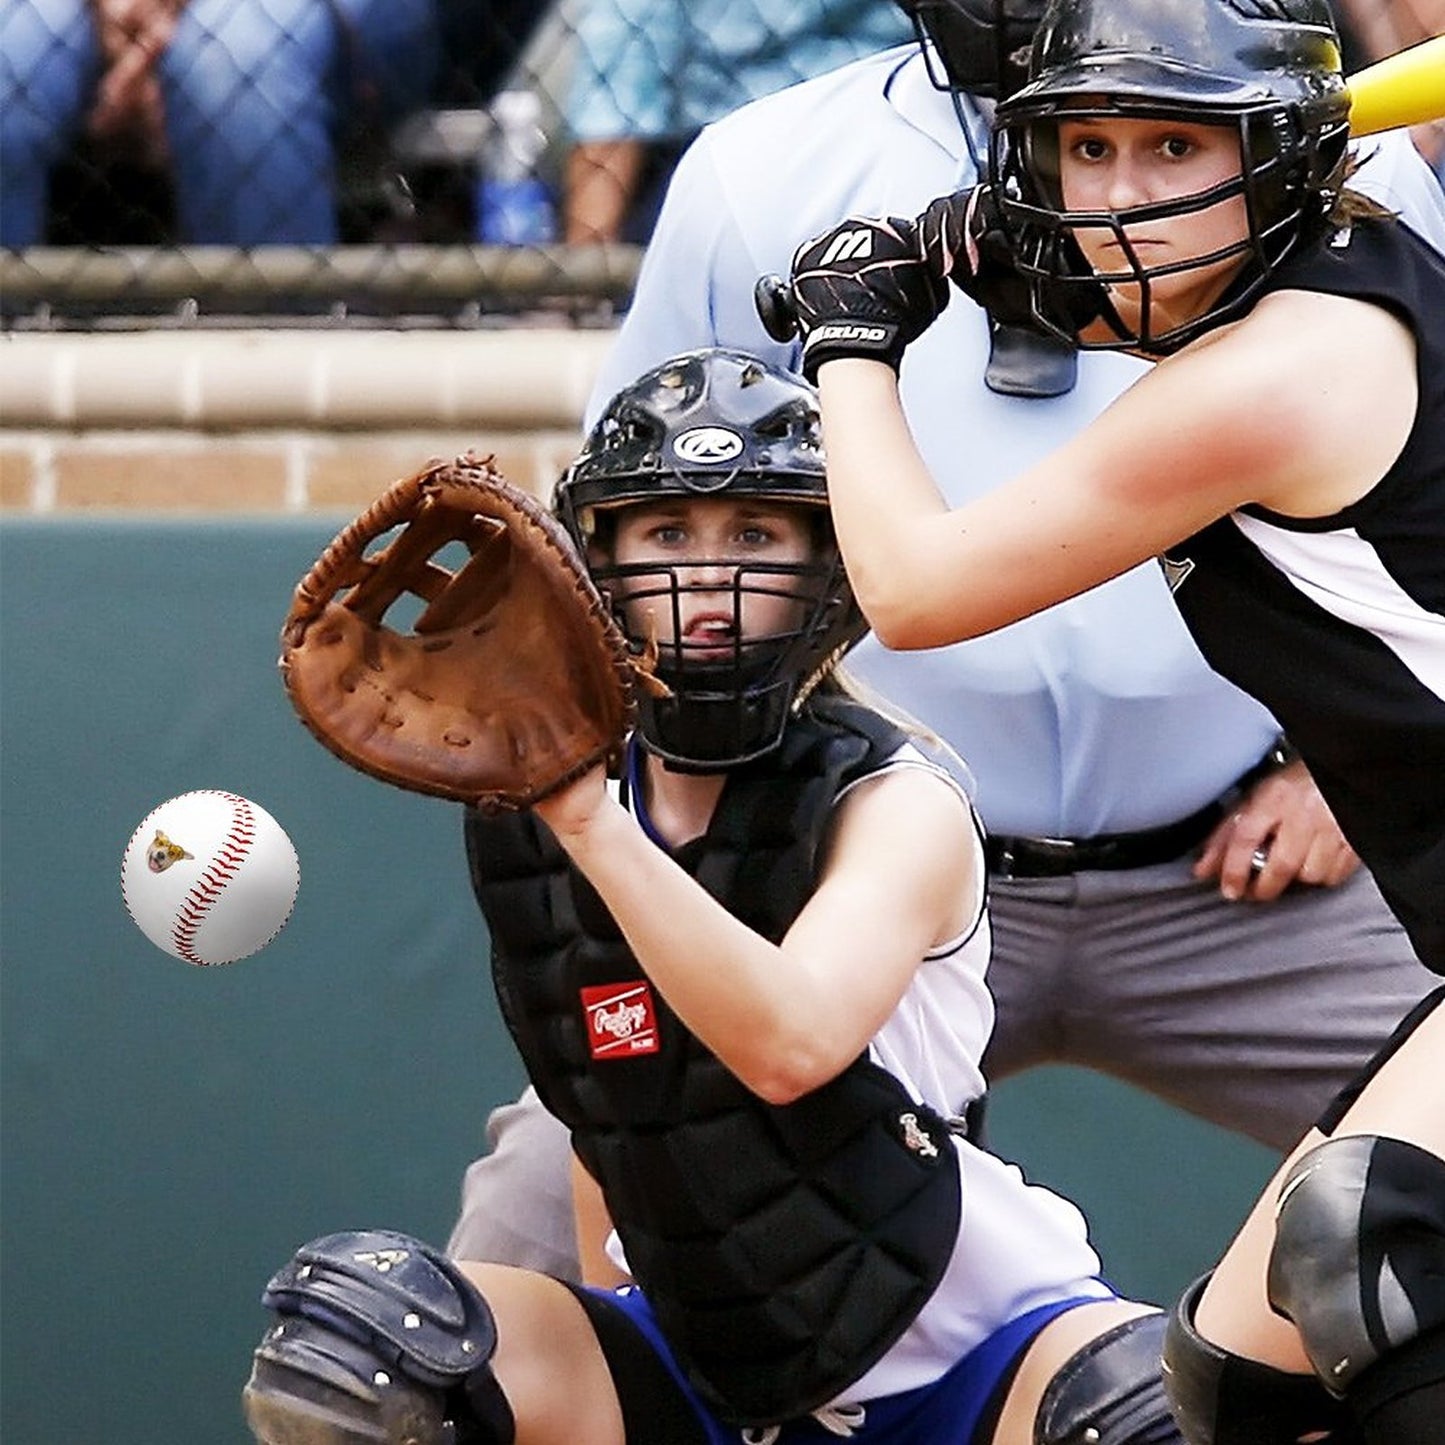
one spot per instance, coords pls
(710, 423)
(980, 46)
(1269, 68)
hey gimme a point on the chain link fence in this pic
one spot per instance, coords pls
(428, 163)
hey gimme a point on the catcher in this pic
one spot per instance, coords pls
(747, 974)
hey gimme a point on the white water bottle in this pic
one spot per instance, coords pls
(515, 205)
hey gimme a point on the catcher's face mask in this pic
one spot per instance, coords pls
(712, 580)
(733, 598)
(700, 501)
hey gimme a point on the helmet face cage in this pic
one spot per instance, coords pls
(978, 46)
(732, 694)
(1291, 118)
(714, 424)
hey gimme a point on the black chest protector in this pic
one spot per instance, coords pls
(784, 1248)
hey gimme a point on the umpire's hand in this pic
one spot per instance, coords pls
(861, 289)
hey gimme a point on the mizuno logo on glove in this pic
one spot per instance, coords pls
(835, 331)
(849, 246)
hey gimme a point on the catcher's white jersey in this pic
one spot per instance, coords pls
(1019, 1246)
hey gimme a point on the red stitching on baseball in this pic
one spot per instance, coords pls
(212, 883)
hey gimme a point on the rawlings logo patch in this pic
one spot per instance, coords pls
(708, 446)
(621, 1020)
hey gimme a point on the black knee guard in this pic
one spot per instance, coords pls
(379, 1340)
(1111, 1392)
(1358, 1262)
(1224, 1399)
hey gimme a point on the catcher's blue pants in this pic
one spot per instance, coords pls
(949, 1409)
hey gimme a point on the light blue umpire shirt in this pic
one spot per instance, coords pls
(1098, 715)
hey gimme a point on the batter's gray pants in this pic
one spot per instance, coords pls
(1250, 1015)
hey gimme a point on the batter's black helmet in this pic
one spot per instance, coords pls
(1270, 68)
(979, 46)
(716, 423)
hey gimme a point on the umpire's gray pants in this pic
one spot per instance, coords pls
(1250, 1015)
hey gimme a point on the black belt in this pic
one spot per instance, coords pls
(1058, 857)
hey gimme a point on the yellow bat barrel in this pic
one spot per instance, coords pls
(1403, 89)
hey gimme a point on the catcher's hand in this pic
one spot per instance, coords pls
(512, 680)
(861, 289)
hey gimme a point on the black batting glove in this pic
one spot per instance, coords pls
(964, 239)
(860, 290)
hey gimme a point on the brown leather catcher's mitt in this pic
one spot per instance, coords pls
(511, 681)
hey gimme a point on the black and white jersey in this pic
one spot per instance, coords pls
(1337, 623)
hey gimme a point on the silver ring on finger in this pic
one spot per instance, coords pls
(1258, 860)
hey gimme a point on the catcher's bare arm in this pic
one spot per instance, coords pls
(513, 678)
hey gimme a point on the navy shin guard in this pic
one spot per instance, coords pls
(378, 1340)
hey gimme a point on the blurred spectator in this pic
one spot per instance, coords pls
(47, 55)
(1373, 29)
(245, 102)
(649, 74)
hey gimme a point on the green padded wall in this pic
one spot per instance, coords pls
(171, 1133)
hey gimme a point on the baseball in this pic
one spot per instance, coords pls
(210, 877)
